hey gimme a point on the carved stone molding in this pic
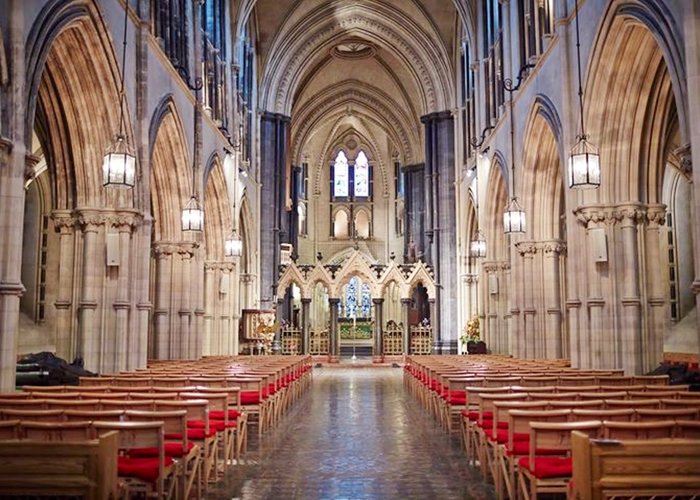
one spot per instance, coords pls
(554, 247)
(656, 215)
(527, 248)
(5, 149)
(63, 221)
(16, 289)
(223, 266)
(90, 220)
(30, 163)
(471, 279)
(627, 214)
(491, 267)
(685, 160)
(247, 278)
(162, 250)
(125, 221)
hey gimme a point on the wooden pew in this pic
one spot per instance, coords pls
(76, 468)
(607, 468)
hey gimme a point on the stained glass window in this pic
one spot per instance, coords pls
(351, 298)
(361, 175)
(366, 300)
(340, 175)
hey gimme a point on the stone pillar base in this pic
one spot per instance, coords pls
(333, 359)
(377, 359)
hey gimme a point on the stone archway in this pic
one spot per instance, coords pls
(645, 99)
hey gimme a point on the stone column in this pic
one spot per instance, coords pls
(333, 344)
(439, 345)
(656, 295)
(185, 310)
(225, 319)
(552, 299)
(66, 342)
(277, 341)
(89, 337)
(139, 347)
(124, 223)
(162, 347)
(378, 331)
(305, 324)
(405, 305)
(631, 324)
(491, 328)
(530, 343)
(211, 344)
(592, 334)
(273, 168)
(440, 223)
(691, 38)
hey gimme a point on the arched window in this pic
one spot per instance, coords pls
(356, 301)
(340, 176)
(361, 175)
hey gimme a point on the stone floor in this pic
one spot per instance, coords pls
(355, 435)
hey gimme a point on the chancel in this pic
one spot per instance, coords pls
(206, 204)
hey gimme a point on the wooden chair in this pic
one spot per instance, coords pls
(25, 404)
(622, 414)
(688, 429)
(73, 404)
(142, 474)
(612, 469)
(84, 469)
(550, 474)
(638, 430)
(94, 415)
(34, 415)
(9, 429)
(56, 431)
(648, 414)
(184, 452)
(127, 404)
(206, 438)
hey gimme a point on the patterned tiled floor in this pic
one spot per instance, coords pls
(355, 435)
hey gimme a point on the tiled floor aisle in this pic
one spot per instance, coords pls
(355, 435)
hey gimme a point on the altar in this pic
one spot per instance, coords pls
(355, 329)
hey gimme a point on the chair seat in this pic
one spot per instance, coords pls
(522, 447)
(502, 436)
(219, 414)
(216, 425)
(487, 424)
(250, 397)
(145, 469)
(194, 433)
(548, 467)
(174, 450)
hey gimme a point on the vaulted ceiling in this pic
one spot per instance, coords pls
(366, 69)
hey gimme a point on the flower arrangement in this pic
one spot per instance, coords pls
(471, 331)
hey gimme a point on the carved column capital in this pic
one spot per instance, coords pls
(125, 221)
(90, 220)
(63, 221)
(629, 215)
(554, 247)
(491, 267)
(591, 215)
(163, 249)
(526, 248)
(656, 214)
(471, 278)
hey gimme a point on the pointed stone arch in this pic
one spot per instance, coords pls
(170, 189)
(638, 100)
(218, 221)
(542, 178)
(296, 48)
(73, 102)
